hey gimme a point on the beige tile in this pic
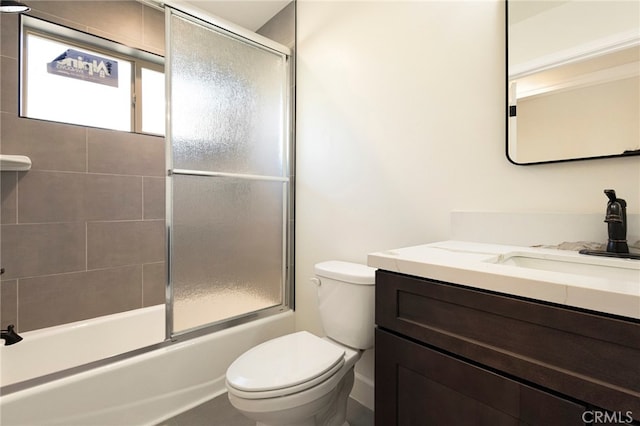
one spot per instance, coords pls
(9, 85)
(51, 197)
(45, 15)
(153, 30)
(215, 412)
(51, 146)
(125, 153)
(41, 249)
(126, 22)
(122, 20)
(69, 197)
(9, 195)
(154, 284)
(9, 35)
(112, 197)
(9, 303)
(118, 18)
(219, 411)
(112, 244)
(59, 299)
(129, 42)
(72, 197)
(154, 198)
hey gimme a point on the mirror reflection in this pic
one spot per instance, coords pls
(573, 80)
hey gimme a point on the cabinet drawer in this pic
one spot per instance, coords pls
(416, 385)
(591, 357)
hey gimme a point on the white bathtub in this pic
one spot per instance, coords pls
(57, 348)
(142, 390)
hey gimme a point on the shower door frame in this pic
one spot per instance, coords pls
(246, 36)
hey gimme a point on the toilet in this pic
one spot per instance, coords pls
(301, 379)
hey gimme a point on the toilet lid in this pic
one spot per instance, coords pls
(285, 362)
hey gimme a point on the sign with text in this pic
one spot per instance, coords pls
(84, 66)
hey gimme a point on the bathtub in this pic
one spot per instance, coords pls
(141, 390)
(65, 346)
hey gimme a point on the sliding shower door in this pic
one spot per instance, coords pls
(228, 187)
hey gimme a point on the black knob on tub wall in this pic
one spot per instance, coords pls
(1, 271)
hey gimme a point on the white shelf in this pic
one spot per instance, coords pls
(14, 163)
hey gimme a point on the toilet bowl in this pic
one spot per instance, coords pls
(301, 379)
(302, 387)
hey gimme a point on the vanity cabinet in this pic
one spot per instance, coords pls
(448, 354)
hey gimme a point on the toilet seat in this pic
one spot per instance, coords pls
(284, 365)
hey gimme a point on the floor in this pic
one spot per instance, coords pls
(219, 412)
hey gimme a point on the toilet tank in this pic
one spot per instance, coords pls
(346, 302)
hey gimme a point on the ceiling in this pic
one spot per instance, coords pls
(250, 14)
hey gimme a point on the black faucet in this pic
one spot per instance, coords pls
(616, 218)
(10, 336)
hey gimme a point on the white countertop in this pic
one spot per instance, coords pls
(477, 265)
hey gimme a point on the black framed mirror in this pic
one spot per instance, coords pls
(573, 80)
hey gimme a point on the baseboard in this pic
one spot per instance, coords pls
(363, 388)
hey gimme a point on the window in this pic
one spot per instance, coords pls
(73, 77)
(74, 85)
(152, 89)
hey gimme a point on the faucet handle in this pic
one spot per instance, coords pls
(611, 193)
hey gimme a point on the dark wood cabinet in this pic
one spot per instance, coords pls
(422, 386)
(454, 355)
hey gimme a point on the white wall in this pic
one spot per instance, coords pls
(400, 120)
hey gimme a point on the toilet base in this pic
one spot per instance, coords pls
(328, 410)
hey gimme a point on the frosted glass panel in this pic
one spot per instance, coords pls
(227, 102)
(227, 244)
(228, 115)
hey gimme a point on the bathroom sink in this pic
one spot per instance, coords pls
(613, 269)
(601, 284)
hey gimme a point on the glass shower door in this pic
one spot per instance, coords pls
(228, 187)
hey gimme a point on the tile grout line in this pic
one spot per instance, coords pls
(86, 222)
(17, 194)
(17, 304)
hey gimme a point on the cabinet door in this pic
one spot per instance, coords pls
(417, 385)
(590, 357)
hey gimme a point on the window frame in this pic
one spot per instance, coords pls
(82, 40)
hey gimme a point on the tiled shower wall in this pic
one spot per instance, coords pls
(82, 232)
